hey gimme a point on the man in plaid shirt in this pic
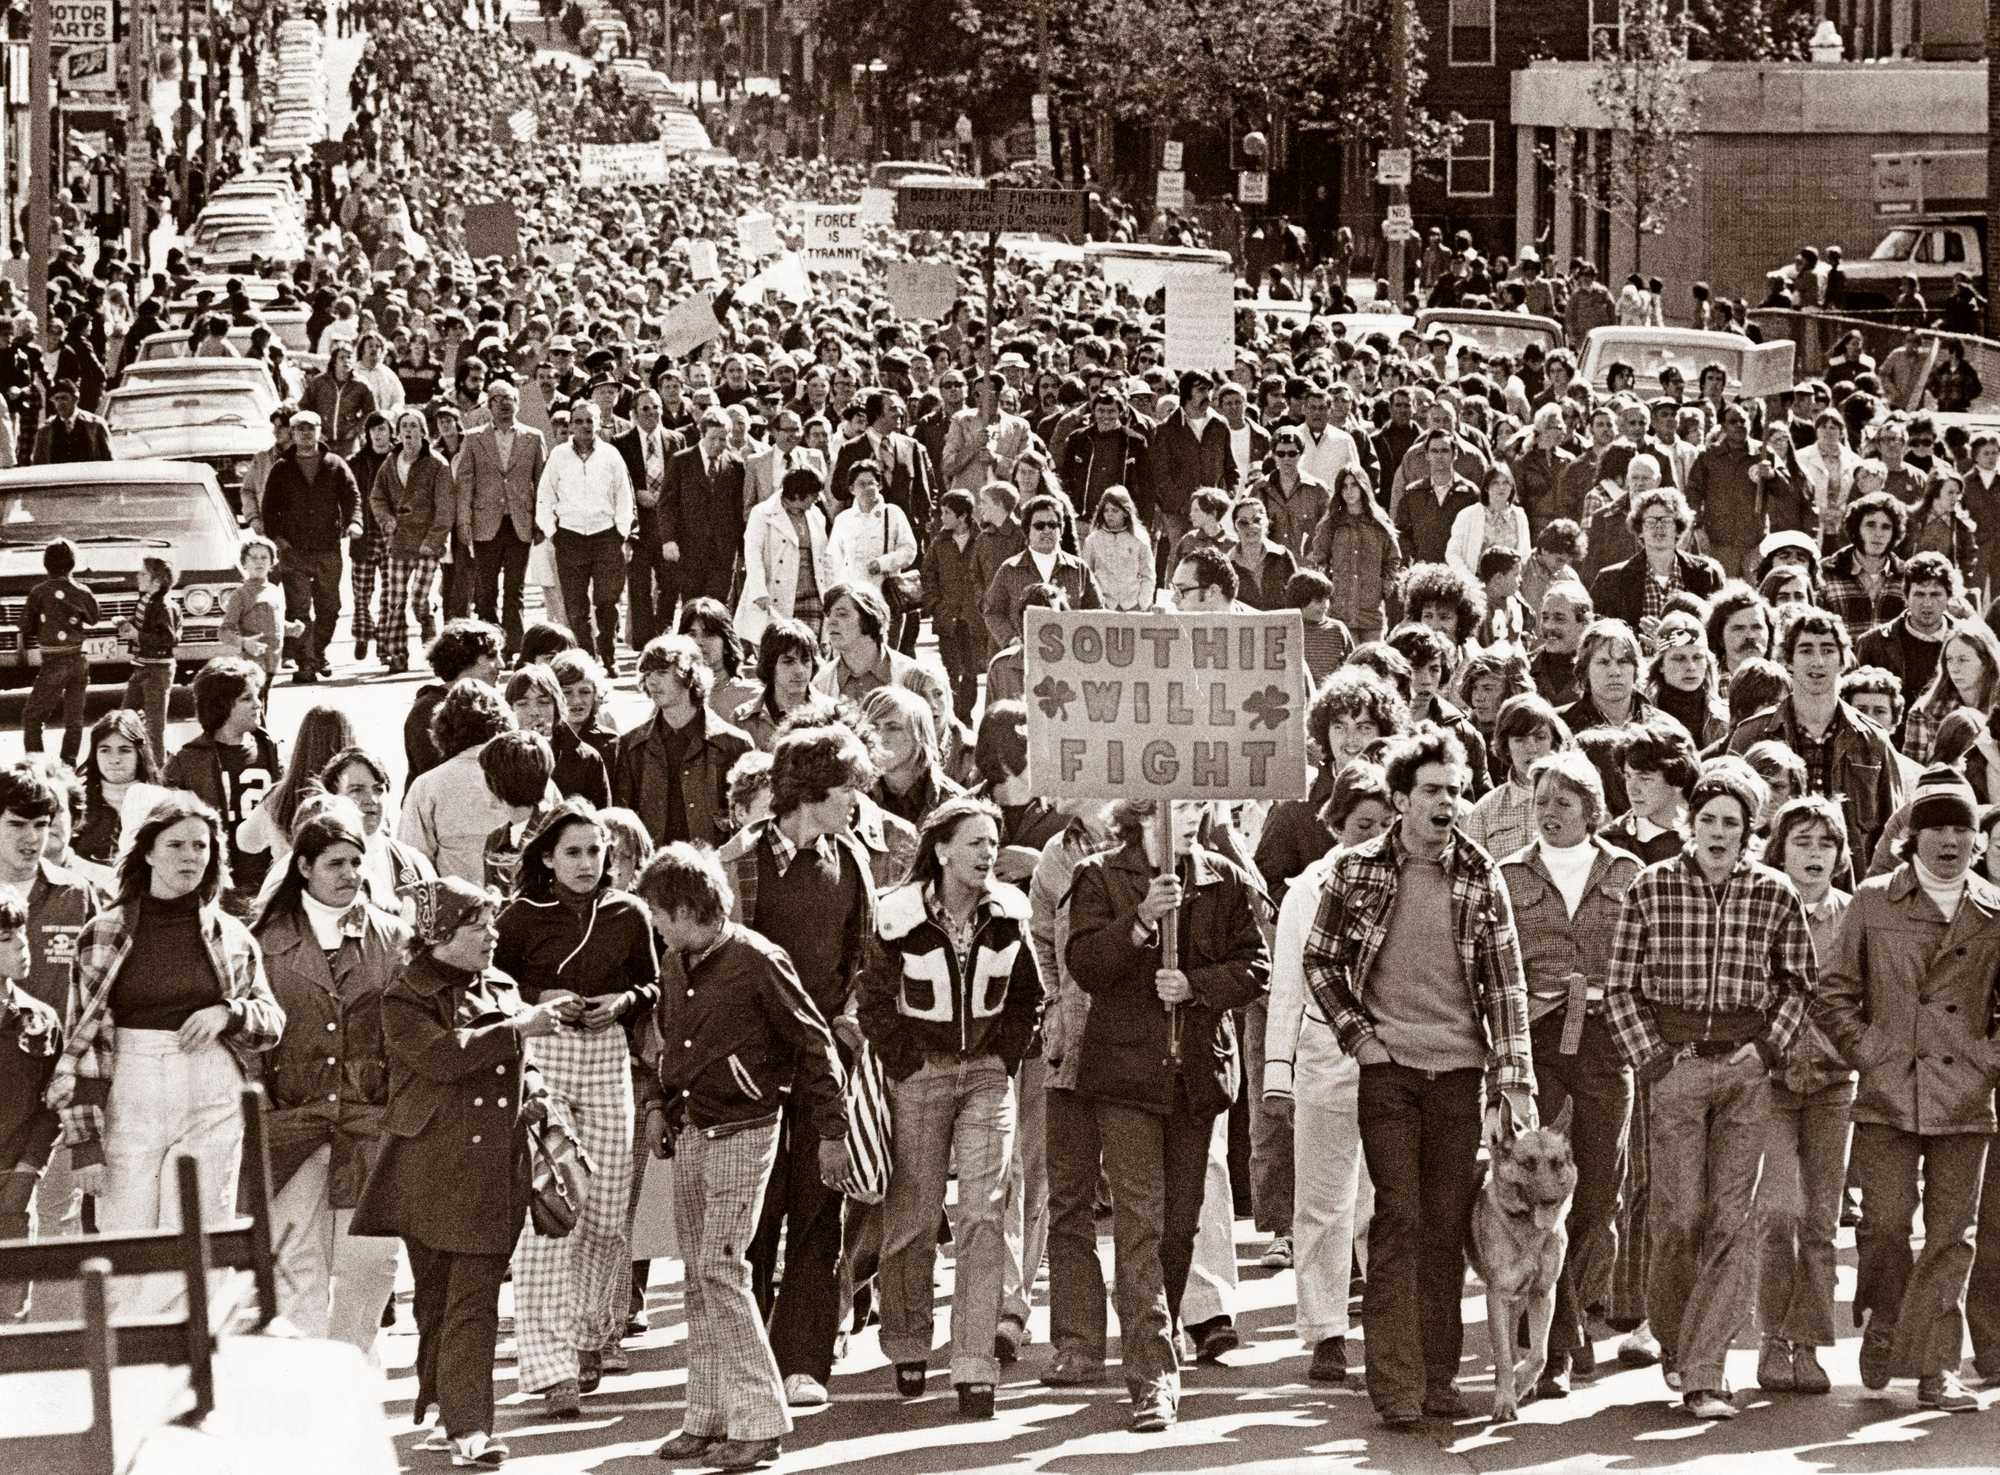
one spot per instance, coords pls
(1425, 1023)
(1710, 974)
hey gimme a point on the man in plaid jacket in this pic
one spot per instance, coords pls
(1711, 972)
(1426, 1025)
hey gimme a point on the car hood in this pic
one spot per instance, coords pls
(112, 566)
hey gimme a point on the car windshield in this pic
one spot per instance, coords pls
(150, 514)
(1649, 358)
(1507, 338)
(178, 410)
(1896, 246)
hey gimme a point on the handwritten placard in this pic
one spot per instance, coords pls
(921, 290)
(1201, 320)
(757, 236)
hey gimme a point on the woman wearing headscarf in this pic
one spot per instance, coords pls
(461, 1089)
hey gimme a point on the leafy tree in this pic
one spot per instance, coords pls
(1644, 87)
(1749, 30)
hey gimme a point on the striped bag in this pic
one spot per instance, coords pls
(867, 1179)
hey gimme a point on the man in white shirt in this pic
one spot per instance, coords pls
(586, 504)
(371, 369)
(1328, 447)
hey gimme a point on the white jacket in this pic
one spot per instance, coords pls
(771, 564)
(1302, 1057)
(1468, 538)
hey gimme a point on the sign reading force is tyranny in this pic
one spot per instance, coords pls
(1131, 704)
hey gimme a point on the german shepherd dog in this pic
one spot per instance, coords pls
(1518, 1238)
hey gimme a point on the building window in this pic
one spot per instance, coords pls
(1468, 171)
(1470, 38)
(1607, 19)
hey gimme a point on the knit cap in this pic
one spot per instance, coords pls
(1729, 776)
(1943, 800)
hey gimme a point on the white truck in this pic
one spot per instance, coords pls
(1933, 210)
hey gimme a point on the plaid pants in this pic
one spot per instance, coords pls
(411, 579)
(562, 1287)
(733, 1389)
(367, 574)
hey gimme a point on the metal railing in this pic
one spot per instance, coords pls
(1816, 333)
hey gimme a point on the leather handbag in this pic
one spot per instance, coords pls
(559, 1173)
(903, 591)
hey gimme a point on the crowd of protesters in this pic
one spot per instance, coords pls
(1675, 712)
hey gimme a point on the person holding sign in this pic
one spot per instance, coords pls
(1428, 1026)
(1158, 1058)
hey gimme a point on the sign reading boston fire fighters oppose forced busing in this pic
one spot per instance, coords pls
(1141, 705)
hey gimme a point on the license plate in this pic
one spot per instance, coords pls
(101, 648)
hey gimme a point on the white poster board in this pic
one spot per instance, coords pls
(922, 291)
(610, 164)
(688, 325)
(834, 239)
(1201, 321)
(703, 264)
(757, 236)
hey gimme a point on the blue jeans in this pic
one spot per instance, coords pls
(1923, 1294)
(1805, 1166)
(951, 1107)
(1158, 1167)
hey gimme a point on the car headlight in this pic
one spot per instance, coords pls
(200, 602)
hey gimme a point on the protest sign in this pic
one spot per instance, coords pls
(922, 290)
(1201, 320)
(1133, 704)
(560, 253)
(492, 230)
(834, 239)
(702, 263)
(688, 325)
(878, 206)
(784, 278)
(623, 163)
(757, 236)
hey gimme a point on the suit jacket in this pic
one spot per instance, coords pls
(486, 493)
(87, 440)
(762, 479)
(703, 513)
(906, 477)
(629, 447)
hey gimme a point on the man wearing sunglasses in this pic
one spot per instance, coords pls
(1042, 562)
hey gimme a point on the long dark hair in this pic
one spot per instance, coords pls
(323, 732)
(536, 879)
(129, 724)
(336, 823)
(135, 869)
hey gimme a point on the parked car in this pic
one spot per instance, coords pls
(221, 425)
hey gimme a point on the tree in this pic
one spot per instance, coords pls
(1749, 30)
(1644, 87)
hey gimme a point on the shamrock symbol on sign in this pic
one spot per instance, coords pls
(1054, 696)
(1270, 707)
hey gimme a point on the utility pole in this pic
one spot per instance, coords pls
(137, 113)
(1399, 130)
(1992, 164)
(41, 164)
(211, 58)
(186, 112)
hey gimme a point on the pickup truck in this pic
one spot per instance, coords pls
(1932, 207)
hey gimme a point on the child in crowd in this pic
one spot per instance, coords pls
(1508, 620)
(1328, 641)
(631, 846)
(1000, 536)
(1119, 553)
(1208, 511)
(153, 636)
(57, 616)
(952, 592)
(30, 1042)
(518, 767)
(1006, 673)
(1526, 731)
(584, 692)
(253, 616)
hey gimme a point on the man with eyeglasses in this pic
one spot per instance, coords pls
(701, 512)
(498, 469)
(1042, 562)
(985, 441)
(648, 448)
(935, 424)
(765, 472)
(1637, 590)
(1204, 582)
(1431, 504)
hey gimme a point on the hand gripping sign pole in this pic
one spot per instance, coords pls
(1170, 925)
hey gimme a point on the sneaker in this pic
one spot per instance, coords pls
(614, 1359)
(432, 1437)
(561, 1401)
(1878, 1346)
(589, 1371)
(1807, 1375)
(1944, 1392)
(1329, 1364)
(1707, 1404)
(693, 1448)
(1279, 1255)
(1218, 1337)
(1402, 1417)
(1073, 1369)
(743, 1454)
(478, 1451)
(910, 1379)
(1640, 1347)
(803, 1390)
(1151, 1413)
(1007, 1340)
(975, 1400)
(1776, 1366)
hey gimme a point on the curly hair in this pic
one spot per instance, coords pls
(1358, 693)
(1887, 503)
(1412, 751)
(678, 655)
(1731, 600)
(1425, 585)
(809, 763)
(470, 714)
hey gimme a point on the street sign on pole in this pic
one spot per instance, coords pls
(1399, 230)
(87, 69)
(1170, 189)
(1170, 154)
(1253, 187)
(1053, 212)
(1400, 214)
(1392, 167)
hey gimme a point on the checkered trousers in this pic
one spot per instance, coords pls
(562, 1290)
(406, 581)
(367, 578)
(733, 1388)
